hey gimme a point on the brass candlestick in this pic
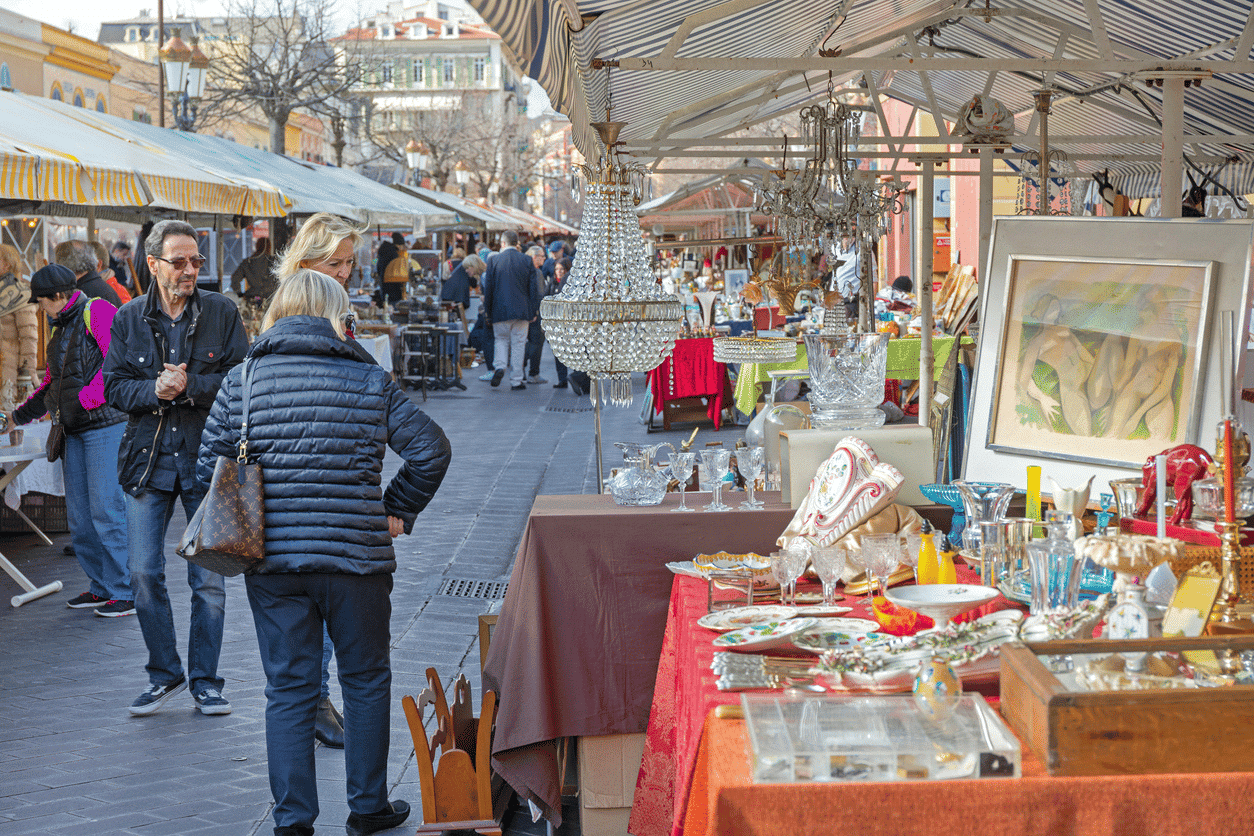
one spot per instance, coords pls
(1233, 453)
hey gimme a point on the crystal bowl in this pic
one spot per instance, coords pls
(1208, 498)
(941, 601)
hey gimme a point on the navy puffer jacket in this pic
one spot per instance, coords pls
(319, 418)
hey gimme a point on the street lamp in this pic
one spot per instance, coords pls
(417, 156)
(461, 172)
(186, 68)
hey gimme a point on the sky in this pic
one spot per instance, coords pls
(84, 17)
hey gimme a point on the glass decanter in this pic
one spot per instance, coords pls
(1056, 570)
(638, 482)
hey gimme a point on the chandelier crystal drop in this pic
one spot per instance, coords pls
(611, 317)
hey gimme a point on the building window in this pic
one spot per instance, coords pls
(6, 78)
(100, 105)
(132, 34)
(481, 70)
(448, 72)
(386, 72)
(56, 94)
(385, 31)
(419, 74)
(78, 98)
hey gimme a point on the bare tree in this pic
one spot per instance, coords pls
(444, 131)
(277, 56)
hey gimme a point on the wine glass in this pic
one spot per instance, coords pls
(749, 460)
(681, 469)
(880, 555)
(911, 544)
(796, 558)
(716, 461)
(779, 571)
(829, 564)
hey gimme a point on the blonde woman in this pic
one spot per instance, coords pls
(319, 419)
(19, 327)
(325, 243)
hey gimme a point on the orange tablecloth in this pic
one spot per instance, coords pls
(723, 799)
(684, 692)
(691, 372)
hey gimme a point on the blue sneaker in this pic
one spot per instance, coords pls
(486, 376)
(155, 697)
(211, 701)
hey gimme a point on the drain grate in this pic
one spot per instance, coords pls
(466, 588)
(551, 408)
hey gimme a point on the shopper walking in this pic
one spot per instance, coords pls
(318, 420)
(169, 352)
(72, 392)
(511, 299)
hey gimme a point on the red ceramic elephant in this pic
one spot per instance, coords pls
(1186, 464)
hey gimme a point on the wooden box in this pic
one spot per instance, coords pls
(1084, 732)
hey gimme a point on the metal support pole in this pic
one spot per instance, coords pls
(923, 282)
(91, 224)
(986, 213)
(219, 248)
(1173, 146)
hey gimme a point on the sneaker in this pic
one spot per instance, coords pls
(486, 376)
(536, 380)
(211, 701)
(155, 697)
(115, 608)
(498, 376)
(393, 816)
(518, 388)
(561, 384)
(87, 599)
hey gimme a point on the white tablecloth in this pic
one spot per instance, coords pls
(380, 347)
(40, 475)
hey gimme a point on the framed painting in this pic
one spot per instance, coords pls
(1100, 343)
(1100, 359)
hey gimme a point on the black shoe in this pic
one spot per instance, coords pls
(520, 387)
(498, 376)
(393, 816)
(155, 696)
(294, 830)
(116, 608)
(327, 728)
(561, 384)
(68, 551)
(87, 599)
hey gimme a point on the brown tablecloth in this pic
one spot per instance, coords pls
(575, 649)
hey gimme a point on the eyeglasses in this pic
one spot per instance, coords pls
(181, 262)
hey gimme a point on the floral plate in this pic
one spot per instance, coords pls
(847, 625)
(817, 641)
(756, 564)
(737, 617)
(821, 609)
(763, 636)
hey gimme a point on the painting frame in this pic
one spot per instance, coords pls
(1097, 307)
(1228, 244)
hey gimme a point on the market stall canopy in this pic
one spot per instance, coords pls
(688, 71)
(711, 206)
(466, 214)
(536, 223)
(94, 159)
(306, 187)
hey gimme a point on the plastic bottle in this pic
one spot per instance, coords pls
(946, 573)
(927, 556)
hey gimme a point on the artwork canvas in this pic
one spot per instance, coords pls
(734, 282)
(1100, 359)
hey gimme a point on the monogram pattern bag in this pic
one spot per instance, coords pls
(227, 533)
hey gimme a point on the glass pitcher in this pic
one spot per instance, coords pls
(982, 502)
(639, 482)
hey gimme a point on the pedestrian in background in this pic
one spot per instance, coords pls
(83, 263)
(511, 299)
(72, 392)
(319, 418)
(535, 330)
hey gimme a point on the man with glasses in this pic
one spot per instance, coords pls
(169, 352)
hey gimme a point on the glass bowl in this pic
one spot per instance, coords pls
(1128, 493)
(1208, 498)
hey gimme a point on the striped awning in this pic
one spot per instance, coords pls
(684, 71)
(89, 158)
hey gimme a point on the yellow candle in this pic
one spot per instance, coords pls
(1034, 493)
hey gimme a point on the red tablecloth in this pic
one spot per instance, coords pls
(690, 372)
(684, 693)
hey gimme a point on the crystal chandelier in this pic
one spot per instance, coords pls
(611, 318)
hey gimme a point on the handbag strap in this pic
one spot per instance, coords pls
(247, 386)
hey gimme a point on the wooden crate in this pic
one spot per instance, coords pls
(1126, 732)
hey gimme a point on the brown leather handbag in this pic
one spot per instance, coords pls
(227, 533)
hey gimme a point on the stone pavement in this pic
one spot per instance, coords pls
(73, 761)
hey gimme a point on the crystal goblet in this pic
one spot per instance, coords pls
(829, 564)
(681, 469)
(880, 555)
(796, 558)
(716, 461)
(749, 460)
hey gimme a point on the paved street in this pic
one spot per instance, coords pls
(73, 761)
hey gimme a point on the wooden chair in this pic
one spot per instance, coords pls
(459, 791)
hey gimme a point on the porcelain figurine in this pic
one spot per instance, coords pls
(851, 486)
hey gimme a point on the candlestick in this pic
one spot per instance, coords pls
(1160, 472)
(1230, 476)
(1034, 493)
